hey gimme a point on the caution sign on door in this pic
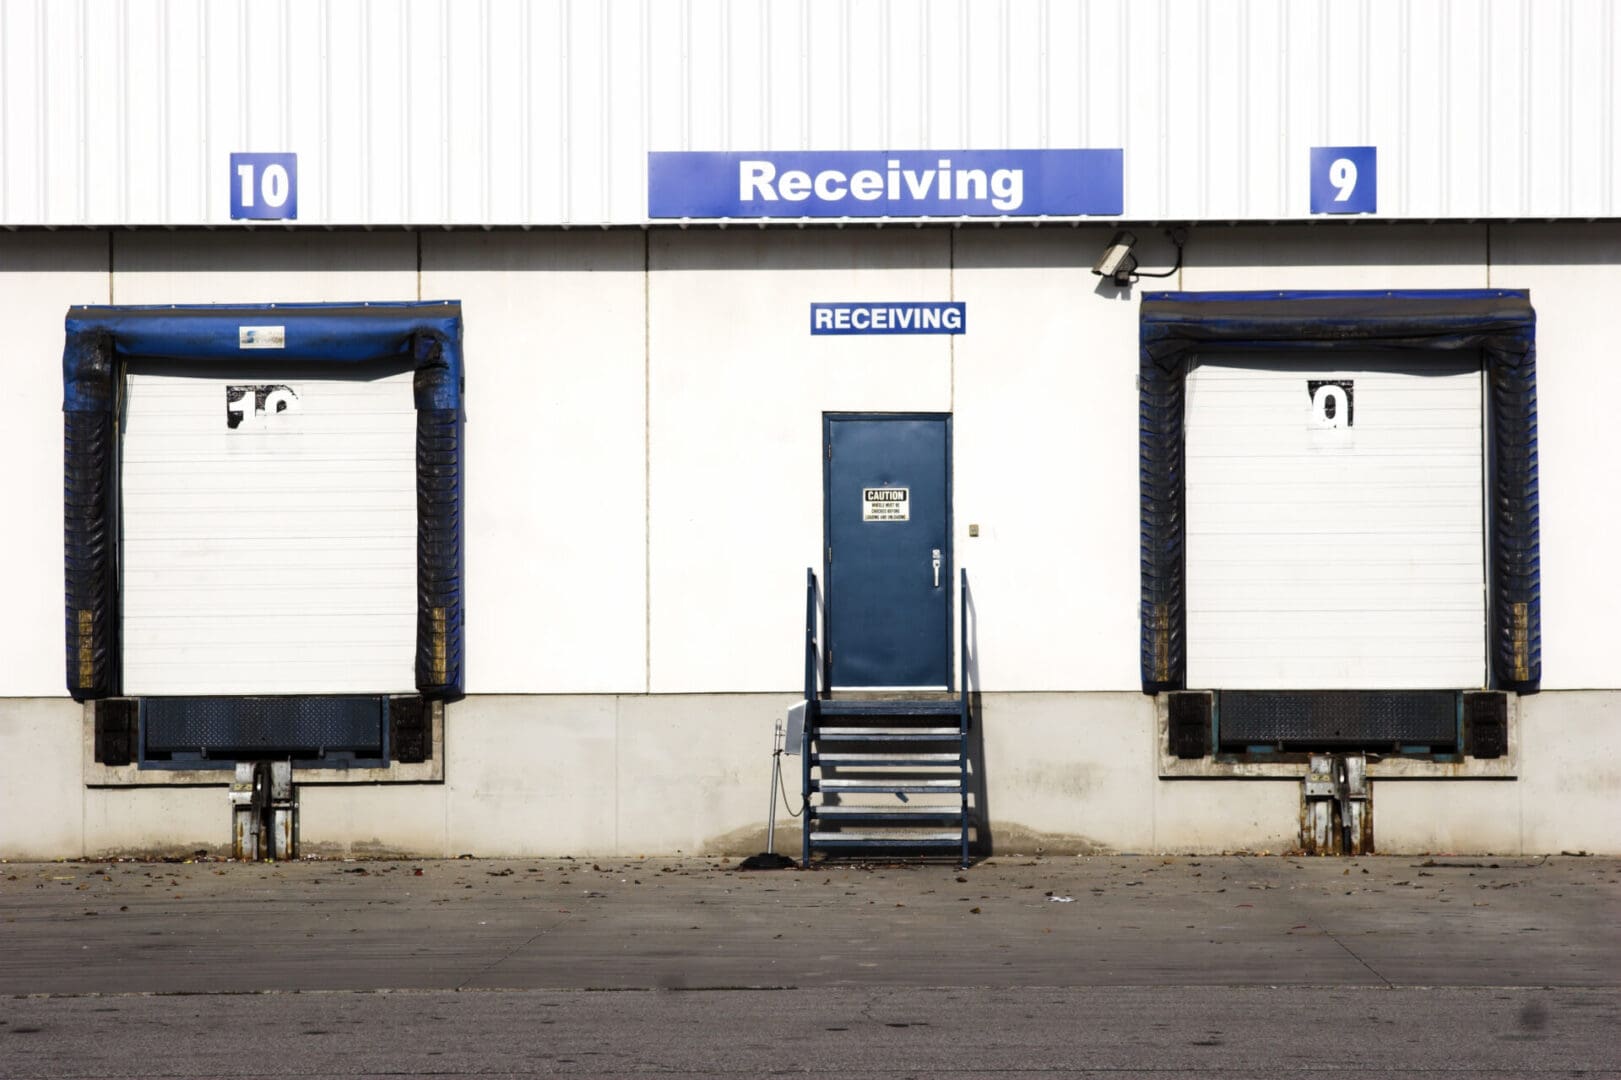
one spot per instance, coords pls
(886, 504)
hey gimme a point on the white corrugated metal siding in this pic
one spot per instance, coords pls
(1322, 555)
(277, 556)
(505, 112)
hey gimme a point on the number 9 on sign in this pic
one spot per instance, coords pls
(264, 187)
(1344, 179)
(1342, 174)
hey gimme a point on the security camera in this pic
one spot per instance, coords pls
(1117, 262)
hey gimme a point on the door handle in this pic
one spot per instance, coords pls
(936, 568)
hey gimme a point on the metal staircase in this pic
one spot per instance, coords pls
(884, 773)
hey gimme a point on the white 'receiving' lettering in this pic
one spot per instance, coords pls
(888, 318)
(757, 181)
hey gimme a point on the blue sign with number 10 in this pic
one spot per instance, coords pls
(1344, 179)
(264, 187)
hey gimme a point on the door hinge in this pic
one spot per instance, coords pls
(829, 448)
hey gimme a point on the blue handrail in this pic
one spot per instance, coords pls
(962, 743)
(811, 653)
(812, 663)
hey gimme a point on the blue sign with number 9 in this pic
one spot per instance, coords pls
(1344, 179)
(264, 187)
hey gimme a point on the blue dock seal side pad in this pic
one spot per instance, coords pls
(1177, 326)
(98, 338)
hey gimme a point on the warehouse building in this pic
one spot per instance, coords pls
(442, 429)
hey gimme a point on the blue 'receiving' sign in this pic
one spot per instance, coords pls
(885, 183)
(1344, 179)
(897, 318)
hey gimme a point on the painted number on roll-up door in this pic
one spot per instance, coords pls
(1332, 402)
(886, 504)
(264, 187)
(1344, 179)
(258, 403)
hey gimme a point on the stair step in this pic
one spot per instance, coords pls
(898, 814)
(863, 839)
(899, 761)
(949, 707)
(881, 786)
(890, 734)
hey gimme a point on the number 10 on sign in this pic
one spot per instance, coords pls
(264, 187)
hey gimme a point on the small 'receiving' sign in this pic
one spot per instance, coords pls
(886, 504)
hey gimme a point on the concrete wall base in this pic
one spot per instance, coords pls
(635, 774)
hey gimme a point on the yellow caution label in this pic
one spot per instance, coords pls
(87, 649)
(1521, 640)
(441, 664)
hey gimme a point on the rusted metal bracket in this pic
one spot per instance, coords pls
(1336, 806)
(264, 812)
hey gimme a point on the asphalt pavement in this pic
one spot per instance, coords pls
(1106, 966)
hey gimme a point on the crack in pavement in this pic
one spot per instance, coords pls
(1352, 953)
(514, 951)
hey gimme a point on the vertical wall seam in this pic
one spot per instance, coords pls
(284, 78)
(950, 339)
(1044, 79)
(41, 111)
(605, 103)
(768, 86)
(846, 99)
(5, 173)
(1162, 103)
(647, 461)
(486, 129)
(965, 82)
(326, 110)
(804, 76)
(165, 211)
(1566, 107)
(204, 136)
(619, 700)
(1285, 57)
(1446, 104)
(121, 24)
(886, 76)
(1527, 43)
(1246, 167)
(84, 788)
(363, 83)
(1364, 71)
(1203, 137)
(564, 113)
(1483, 65)
(445, 781)
(1607, 126)
(81, 114)
(526, 136)
(1404, 120)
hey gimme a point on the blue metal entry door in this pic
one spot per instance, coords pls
(888, 523)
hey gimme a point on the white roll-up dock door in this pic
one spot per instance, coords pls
(1335, 534)
(268, 529)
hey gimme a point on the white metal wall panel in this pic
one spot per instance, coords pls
(1335, 557)
(505, 112)
(275, 557)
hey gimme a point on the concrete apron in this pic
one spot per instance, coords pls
(1378, 922)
